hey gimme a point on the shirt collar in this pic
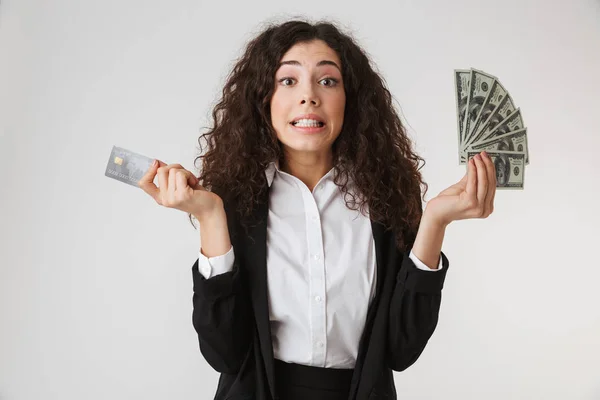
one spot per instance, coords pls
(270, 171)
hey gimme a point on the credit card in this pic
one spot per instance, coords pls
(126, 166)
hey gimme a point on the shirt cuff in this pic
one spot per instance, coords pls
(213, 266)
(422, 266)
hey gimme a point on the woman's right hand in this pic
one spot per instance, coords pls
(178, 188)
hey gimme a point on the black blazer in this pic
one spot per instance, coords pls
(231, 316)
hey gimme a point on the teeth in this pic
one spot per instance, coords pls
(307, 123)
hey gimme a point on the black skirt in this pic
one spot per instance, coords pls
(302, 382)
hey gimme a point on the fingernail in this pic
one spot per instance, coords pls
(154, 163)
(485, 154)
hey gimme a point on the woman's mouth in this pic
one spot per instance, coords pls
(308, 128)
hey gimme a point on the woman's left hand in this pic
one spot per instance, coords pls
(472, 197)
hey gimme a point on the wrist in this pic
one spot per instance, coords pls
(216, 212)
(434, 221)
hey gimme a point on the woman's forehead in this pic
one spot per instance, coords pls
(320, 63)
(311, 52)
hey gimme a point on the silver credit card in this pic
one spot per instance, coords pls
(127, 166)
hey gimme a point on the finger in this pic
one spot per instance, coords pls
(482, 182)
(488, 194)
(190, 179)
(181, 180)
(193, 180)
(148, 177)
(163, 178)
(172, 184)
(146, 183)
(491, 169)
(471, 179)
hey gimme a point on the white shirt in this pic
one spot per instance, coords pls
(320, 271)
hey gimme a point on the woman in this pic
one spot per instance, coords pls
(300, 293)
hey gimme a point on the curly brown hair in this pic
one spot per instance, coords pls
(376, 150)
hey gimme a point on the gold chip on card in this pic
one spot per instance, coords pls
(118, 161)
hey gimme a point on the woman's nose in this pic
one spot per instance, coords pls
(312, 100)
(310, 96)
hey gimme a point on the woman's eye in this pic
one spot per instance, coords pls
(335, 81)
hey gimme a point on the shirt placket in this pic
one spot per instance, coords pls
(317, 295)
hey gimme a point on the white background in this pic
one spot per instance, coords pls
(95, 277)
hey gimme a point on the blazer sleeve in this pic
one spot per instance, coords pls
(222, 318)
(222, 313)
(414, 311)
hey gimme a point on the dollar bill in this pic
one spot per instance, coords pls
(510, 168)
(504, 109)
(126, 166)
(510, 141)
(497, 93)
(479, 89)
(461, 84)
(511, 123)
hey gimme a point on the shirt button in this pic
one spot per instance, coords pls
(316, 257)
(318, 299)
(314, 218)
(320, 344)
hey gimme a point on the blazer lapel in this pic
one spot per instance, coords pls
(359, 384)
(256, 250)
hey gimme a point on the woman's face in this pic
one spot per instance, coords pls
(308, 81)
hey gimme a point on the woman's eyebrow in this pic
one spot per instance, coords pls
(320, 63)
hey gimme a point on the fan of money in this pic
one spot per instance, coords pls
(489, 120)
